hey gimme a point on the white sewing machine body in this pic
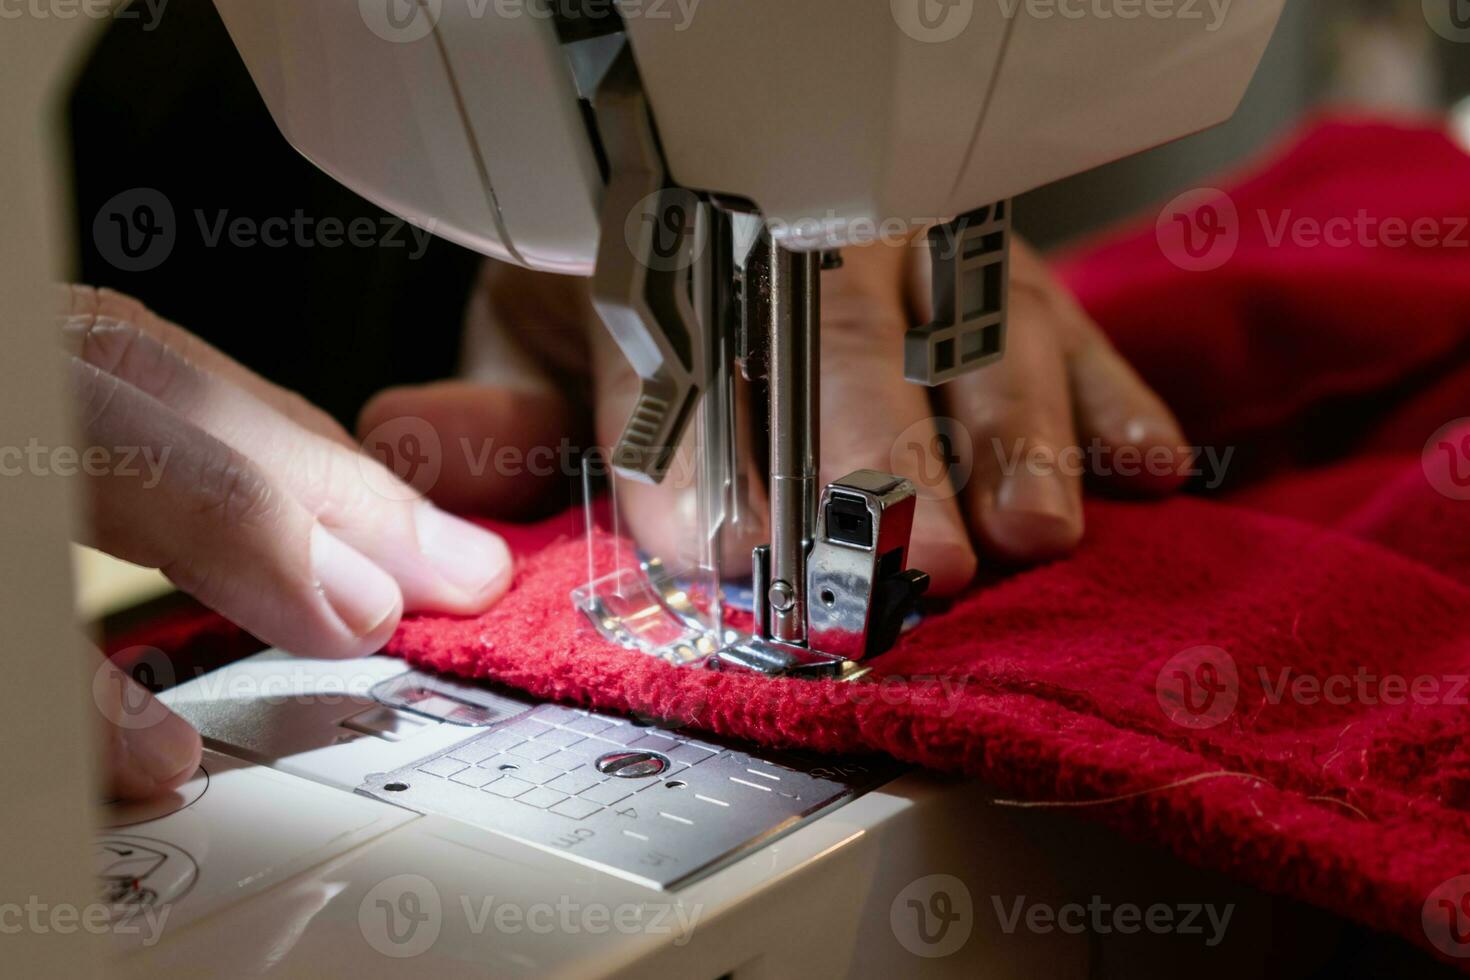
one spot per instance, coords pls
(276, 861)
(704, 168)
(466, 117)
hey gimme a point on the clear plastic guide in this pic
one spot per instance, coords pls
(655, 578)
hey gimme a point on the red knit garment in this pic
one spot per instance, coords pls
(1163, 663)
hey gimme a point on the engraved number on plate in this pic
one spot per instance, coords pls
(575, 837)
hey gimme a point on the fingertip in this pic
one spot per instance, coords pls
(376, 638)
(1149, 455)
(951, 565)
(1149, 431)
(153, 759)
(1030, 518)
(1029, 537)
(185, 755)
(364, 599)
(941, 547)
(474, 563)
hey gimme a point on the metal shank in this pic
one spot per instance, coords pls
(792, 377)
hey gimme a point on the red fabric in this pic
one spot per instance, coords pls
(1330, 552)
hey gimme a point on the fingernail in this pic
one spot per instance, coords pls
(1035, 493)
(1147, 431)
(470, 558)
(1034, 516)
(165, 750)
(362, 595)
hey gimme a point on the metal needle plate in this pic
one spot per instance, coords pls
(657, 807)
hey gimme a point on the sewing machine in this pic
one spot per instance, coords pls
(702, 170)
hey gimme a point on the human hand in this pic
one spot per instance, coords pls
(1060, 386)
(254, 502)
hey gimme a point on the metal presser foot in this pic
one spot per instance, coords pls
(833, 587)
(702, 291)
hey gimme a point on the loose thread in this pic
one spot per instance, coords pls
(1342, 803)
(1198, 778)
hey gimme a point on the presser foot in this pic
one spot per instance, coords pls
(649, 610)
(777, 659)
(859, 588)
